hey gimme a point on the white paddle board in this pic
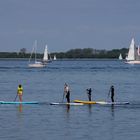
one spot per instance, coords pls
(66, 103)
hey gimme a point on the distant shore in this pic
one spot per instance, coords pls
(63, 59)
(86, 53)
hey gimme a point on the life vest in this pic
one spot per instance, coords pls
(20, 90)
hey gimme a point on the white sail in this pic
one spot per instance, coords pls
(138, 50)
(54, 58)
(45, 58)
(120, 57)
(132, 54)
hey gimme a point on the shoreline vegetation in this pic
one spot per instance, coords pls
(86, 53)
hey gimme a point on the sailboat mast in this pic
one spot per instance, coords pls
(35, 49)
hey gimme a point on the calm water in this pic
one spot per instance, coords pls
(46, 122)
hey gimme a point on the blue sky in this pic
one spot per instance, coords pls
(68, 24)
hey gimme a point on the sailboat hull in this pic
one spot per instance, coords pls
(36, 65)
(133, 62)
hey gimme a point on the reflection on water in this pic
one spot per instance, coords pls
(90, 108)
(68, 108)
(20, 108)
(112, 110)
(112, 122)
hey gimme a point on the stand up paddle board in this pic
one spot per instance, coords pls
(101, 102)
(66, 104)
(85, 102)
(32, 102)
(111, 103)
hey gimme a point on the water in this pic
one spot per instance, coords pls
(42, 122)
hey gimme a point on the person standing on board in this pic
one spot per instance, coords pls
(89, 94)
(67, 92)
(111, 91)
(20, 92)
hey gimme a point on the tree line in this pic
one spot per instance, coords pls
(72, 53)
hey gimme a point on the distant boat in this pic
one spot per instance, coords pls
(120, 57)
(46, 57)
(54, 58)
(133, 55)
(132, 51)
(35, 63)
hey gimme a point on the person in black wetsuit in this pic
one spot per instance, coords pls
(67, 92)
(112, 93)
(89, 94)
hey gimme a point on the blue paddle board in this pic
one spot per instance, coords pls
(32, 102)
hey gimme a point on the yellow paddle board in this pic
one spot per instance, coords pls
(85, 102)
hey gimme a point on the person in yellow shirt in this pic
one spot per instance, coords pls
(20, 92)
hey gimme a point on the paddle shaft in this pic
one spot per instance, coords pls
(108, 95)
(15, 98)
(63, 97)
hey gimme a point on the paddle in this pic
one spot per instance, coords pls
(108, 95)
(63, 97)
(15, 98)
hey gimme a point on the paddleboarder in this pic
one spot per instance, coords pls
(67, 92)
(89, 94)
(20, 92)
(111, 91)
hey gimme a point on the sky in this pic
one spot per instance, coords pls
(68, 24)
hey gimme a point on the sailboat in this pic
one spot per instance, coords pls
(46, 56)
(35, 63)
(54, 58)
(120, 57)
(133, 56)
